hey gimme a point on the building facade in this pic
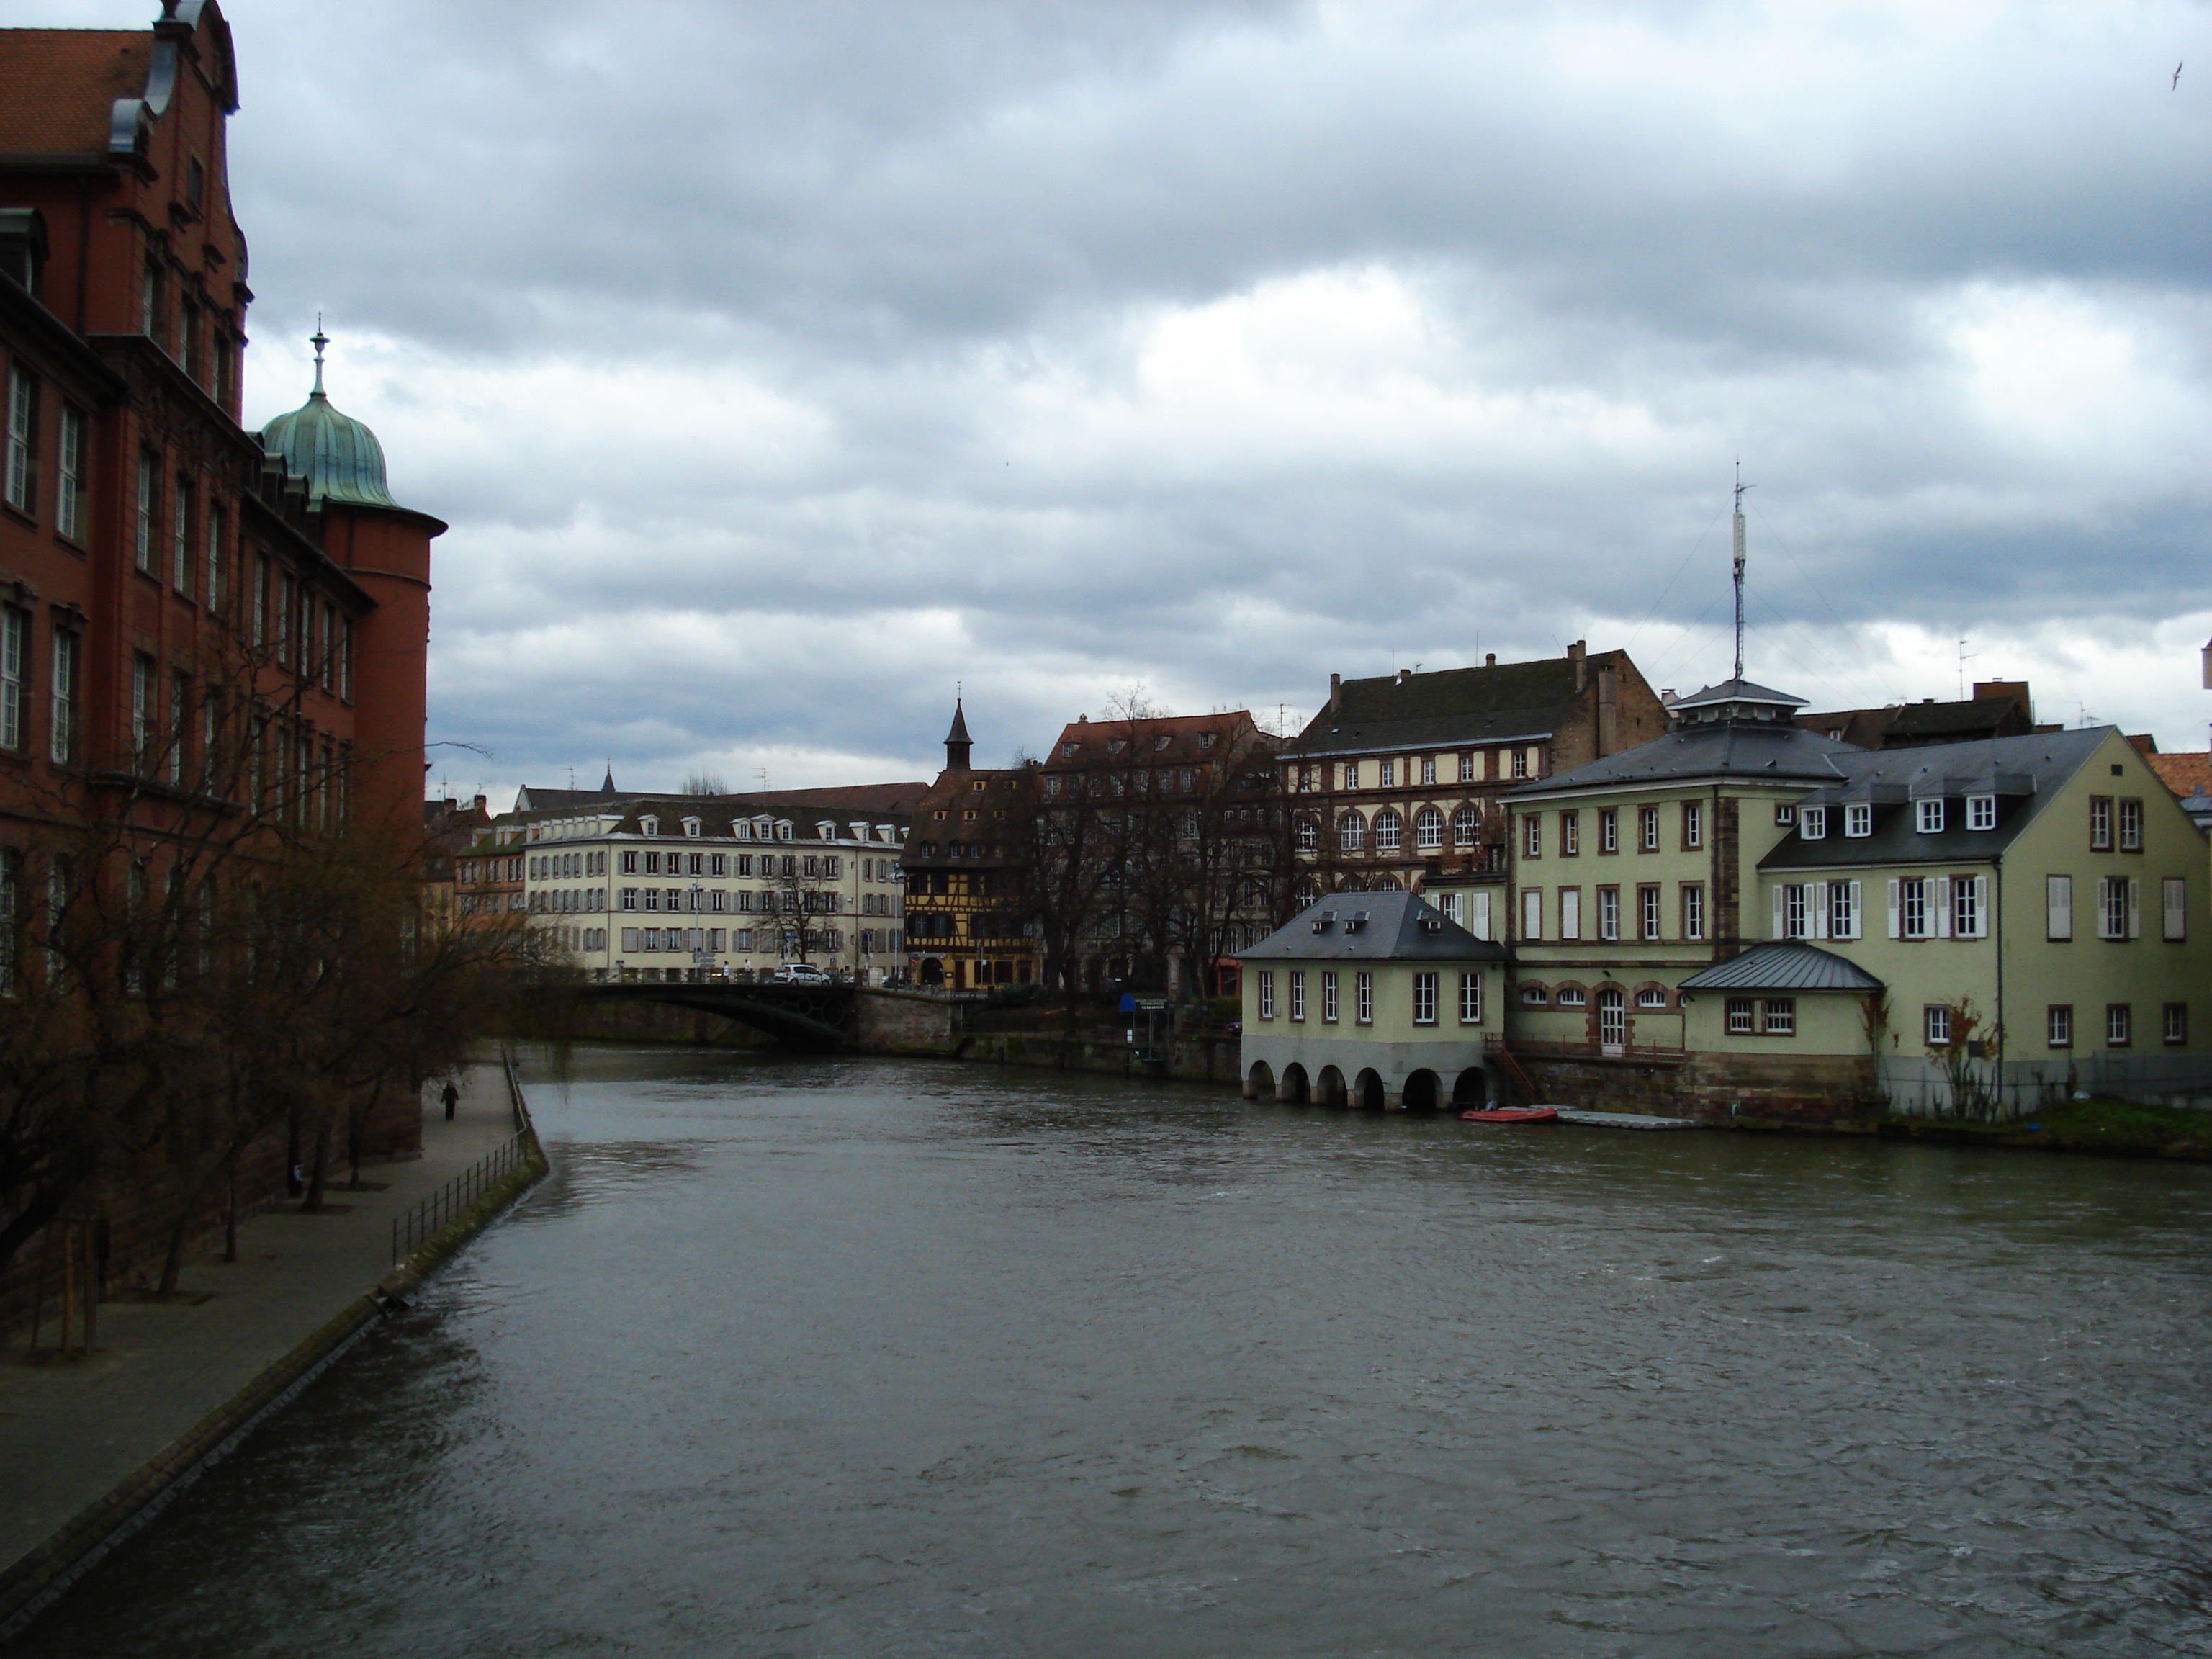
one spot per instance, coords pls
(1395, 783)
(969, 925)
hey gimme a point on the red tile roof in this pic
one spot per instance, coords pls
(58, 87)
(2184, 773)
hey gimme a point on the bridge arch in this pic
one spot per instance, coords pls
(798, 1016)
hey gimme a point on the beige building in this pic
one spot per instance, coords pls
(1376, 1000)
(1746, 915)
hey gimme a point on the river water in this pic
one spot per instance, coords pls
(819, 1357)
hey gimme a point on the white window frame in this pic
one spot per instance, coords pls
(1329, 1009)
(1608, 913)
(1466, 827)
(1742, 1016)
(1928, 815)
(1467, 768)
(1389, 830)
(22, 472)
(1777, 1017)
(1647, 829)
(2119, 1025)
(1266, 977)
(1532, 914)
(2058, 1025)
(1812, 823)
(1981, 811)
(2058, 907)
(1470, 999)
(1693, 825)
(1297, 988)
(1571, 912)
(1425, 996)
(1693, 909)
(1648, 923)
(15, 696)
(1858, 820)
(70, 487)
(2174, 909)
(1363, 997)
(1428, 830)
(1936, 1025)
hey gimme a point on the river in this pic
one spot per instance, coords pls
(816, 1358)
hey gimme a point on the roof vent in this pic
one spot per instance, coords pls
(1356, 923)
(1432, 924)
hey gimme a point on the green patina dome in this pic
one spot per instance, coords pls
(340, 458)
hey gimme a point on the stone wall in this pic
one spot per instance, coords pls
(905, 1023)
(1191, 1059)
(1795, 1088)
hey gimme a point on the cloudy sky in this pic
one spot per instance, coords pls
(778, 366)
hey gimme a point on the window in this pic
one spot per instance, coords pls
(217, 525)
(1608, 830)
(1389, 830)
(180, 537)
(1266, 994)
(142, 710)
(2119, 906)
(630, 864)
(1608, 913)
(1352, 832)
(2058, 907)
(1328, 995)
(1363, 997)
(1429, 829)
(1466, 827)
(22, 475)
(1969, 906)
(1918, 923)
(1693, 909)
(2058, 1025)
(1813, 823)
(1694, 824)
(188, 328)
(2175, 908)
(1651, 996)
(62, 706)
(2173, 1023)
(2131, 826)
(1520, 762)
(1785, 816)
(1425, 998)
(1532, 913)
(180, 706)
(1571, 835)
(1571, 912)
(1297, 993)
(1386, 775)
(1466, 768)
(1647, 913)
(1532, 996)
(1981, 811)
(1936, 1025)
(1531, 836)
(1470, 999)
(69, 493)
(1928, 814)
(1742, 1012)
(1791, 919)
(15, 642)
(1778, 1017)
(150, 472)
(1858, 820)
(1351, 775)
(2100, 824)
(2119, 1025)
(652, 864)
(1843, 909)
(1572, 996)
(1428, 768)
(1309, 835)
(1647, 829)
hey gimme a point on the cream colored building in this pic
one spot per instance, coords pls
(1371, 998)
(695, 887)
(1745, 916)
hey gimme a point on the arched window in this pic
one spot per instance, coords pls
(1309, 835)
(1466, 826)
(1386, 883)
(1352, 832)
(1429, 830)
(1390, 830)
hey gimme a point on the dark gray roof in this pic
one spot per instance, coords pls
(2024, 773)
(1762, 748)
(1392, 931)
(1449, 706)
(1781, 966)
(1737, 691)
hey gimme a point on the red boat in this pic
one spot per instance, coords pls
(1513, 1114)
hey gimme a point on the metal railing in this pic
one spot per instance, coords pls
(424, 1219)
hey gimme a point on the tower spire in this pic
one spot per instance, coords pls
(1740, 486)
(318, 340)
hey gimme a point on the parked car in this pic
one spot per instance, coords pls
(801, 972)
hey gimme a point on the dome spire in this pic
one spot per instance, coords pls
(318, 340)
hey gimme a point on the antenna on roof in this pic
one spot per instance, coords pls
(1965, 657)
(1740, 486)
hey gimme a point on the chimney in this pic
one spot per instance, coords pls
(481, 804)
(1575, 655)
(1405, 674)
(1490, 659)
(1335, 691)
(1608, 708)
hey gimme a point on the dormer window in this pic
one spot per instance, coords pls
(1928, 814)
(1858, 820)
(1981, 811)
(1159, 743)
(1115, 746)
(648, 826)
(1785, 816)
(1813, 823)
(825, 830)
(1206, 739)
(1067, 752)
(692, 827)
(783, 830)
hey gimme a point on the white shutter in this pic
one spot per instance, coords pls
(2058, 895)
(1532, 915)
(2104, 907)
(1896, 908)
(1571, 912)
(1981, 897)
(2177, 907)
(1851, 928)
(1481, 908)
(1781, 911)
(1816, 907)
(2135, 907)
(1940, 922)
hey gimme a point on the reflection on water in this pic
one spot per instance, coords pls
(823, 1357)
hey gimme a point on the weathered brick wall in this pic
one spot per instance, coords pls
(903, 1022)
(1808, 1088)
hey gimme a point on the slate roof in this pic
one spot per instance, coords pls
(1160, 740)
(1450, 706)
(1784, 967)
(2037, 765)
(1753, 749)
(1392, 932)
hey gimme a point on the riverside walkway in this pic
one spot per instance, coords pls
(74, 1434)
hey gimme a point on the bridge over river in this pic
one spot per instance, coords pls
(811, 1017)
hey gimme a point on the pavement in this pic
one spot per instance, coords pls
(71, 1432)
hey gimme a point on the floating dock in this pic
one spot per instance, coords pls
(1626, 1120)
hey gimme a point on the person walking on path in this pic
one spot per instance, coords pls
(452, 1096)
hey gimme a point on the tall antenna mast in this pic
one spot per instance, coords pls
(1740, 486)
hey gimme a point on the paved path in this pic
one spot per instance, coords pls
(71, 1433)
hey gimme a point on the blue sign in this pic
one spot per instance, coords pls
(1128, 1003)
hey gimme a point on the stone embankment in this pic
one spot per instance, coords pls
(94, 1444)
